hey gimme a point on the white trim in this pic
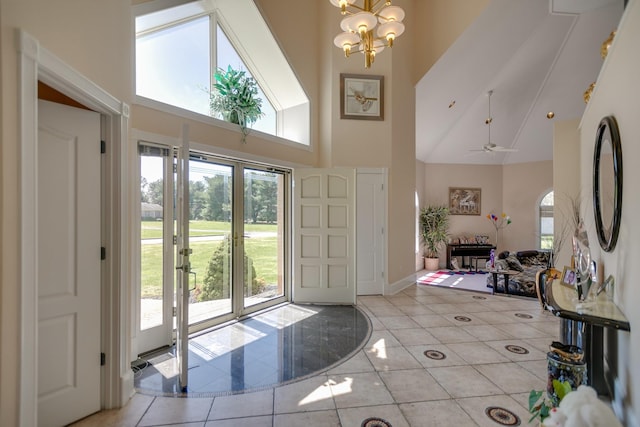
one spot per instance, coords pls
(394, 288)
(211, 121)
(36, 63)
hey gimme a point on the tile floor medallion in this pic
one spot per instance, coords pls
(523, 315)
(418, 367)
(435, 354)
(502, 416)
(375, 422)
(516, 349)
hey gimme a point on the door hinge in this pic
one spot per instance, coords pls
(175, 240)
(103, 359)
(175, 168)
(174, 313)
(103, 147)
(103, 253)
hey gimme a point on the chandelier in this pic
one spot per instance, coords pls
(360, 23)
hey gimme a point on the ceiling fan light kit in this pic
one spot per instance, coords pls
(490, 147)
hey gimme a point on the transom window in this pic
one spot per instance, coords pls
(178, 50)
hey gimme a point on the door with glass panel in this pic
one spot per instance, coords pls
(237, 241)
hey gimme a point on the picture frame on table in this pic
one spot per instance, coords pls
(361, 97)
(569, 277)
(464, 201)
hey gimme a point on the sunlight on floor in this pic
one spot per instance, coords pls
(380, 349)
(321, 393)
(345, 387)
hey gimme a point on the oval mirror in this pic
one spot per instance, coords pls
(607, 183)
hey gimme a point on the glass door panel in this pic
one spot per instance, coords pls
(264, 207)
(155, 296)
(211, 239)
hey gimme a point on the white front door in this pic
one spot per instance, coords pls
(370, 207)
(68, 263)
(324, 248)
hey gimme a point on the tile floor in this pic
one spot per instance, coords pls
(470, 368)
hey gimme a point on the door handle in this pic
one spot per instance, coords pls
(195, 280)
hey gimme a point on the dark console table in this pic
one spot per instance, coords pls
(596, 314)
(467, 250)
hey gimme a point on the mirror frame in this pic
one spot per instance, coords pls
(608, 240)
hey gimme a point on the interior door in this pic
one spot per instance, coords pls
(324, 248)
(68, 263)
(370, 207)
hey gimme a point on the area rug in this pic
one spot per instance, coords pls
(458, 279)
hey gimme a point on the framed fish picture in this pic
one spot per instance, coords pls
(361, 97)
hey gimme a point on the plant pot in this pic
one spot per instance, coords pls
(431, 264)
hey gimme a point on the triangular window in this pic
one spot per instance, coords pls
(178, 50)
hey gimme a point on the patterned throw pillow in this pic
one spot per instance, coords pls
(514, 264)
(501, 264)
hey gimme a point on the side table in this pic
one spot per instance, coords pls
(506, 274)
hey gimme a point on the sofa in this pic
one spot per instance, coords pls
(527, 263)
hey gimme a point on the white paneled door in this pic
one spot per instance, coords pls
(370, 216)
(68, 263)
(324, 248)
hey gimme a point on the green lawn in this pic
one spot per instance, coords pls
(262, 250)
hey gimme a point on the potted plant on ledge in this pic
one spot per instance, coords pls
(434, 227)
(235, 98)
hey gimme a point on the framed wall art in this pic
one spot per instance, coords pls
(361, 97)
(464, 201)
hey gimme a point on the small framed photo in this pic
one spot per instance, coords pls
(361, 97)
(464, 201)
(568, 277)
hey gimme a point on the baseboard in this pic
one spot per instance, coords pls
(127, 389)
(394, 288)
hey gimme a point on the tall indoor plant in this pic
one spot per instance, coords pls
(434, 227)
(235, 98)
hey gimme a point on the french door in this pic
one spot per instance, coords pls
(221, 235)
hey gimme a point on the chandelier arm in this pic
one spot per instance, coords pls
(355, 6)
(377, 11)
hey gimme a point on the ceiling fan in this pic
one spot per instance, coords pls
(490, 147)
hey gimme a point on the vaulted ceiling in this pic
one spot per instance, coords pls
(536, 56)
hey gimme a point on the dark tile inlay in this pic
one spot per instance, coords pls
(462, 319)
(479, 297)
(280, 346)
(523, 316)
(435, 354)
(502, 416)
(516, 349)
(375, 422)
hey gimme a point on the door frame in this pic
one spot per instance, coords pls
(37, 63)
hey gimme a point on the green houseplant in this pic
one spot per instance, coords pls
(434, 227)
(235, 98)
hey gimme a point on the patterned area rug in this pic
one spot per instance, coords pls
(468, 280)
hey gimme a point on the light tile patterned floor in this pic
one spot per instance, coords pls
(391, 378)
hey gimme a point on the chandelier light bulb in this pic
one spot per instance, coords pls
(391, 13)
(346, 41)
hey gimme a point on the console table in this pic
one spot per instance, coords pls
(562, 301)
(467, 250)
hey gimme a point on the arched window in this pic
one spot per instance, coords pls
(546, 221)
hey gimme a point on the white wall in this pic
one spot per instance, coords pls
(617, 93)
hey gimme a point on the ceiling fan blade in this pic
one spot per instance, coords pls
(504, 149)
